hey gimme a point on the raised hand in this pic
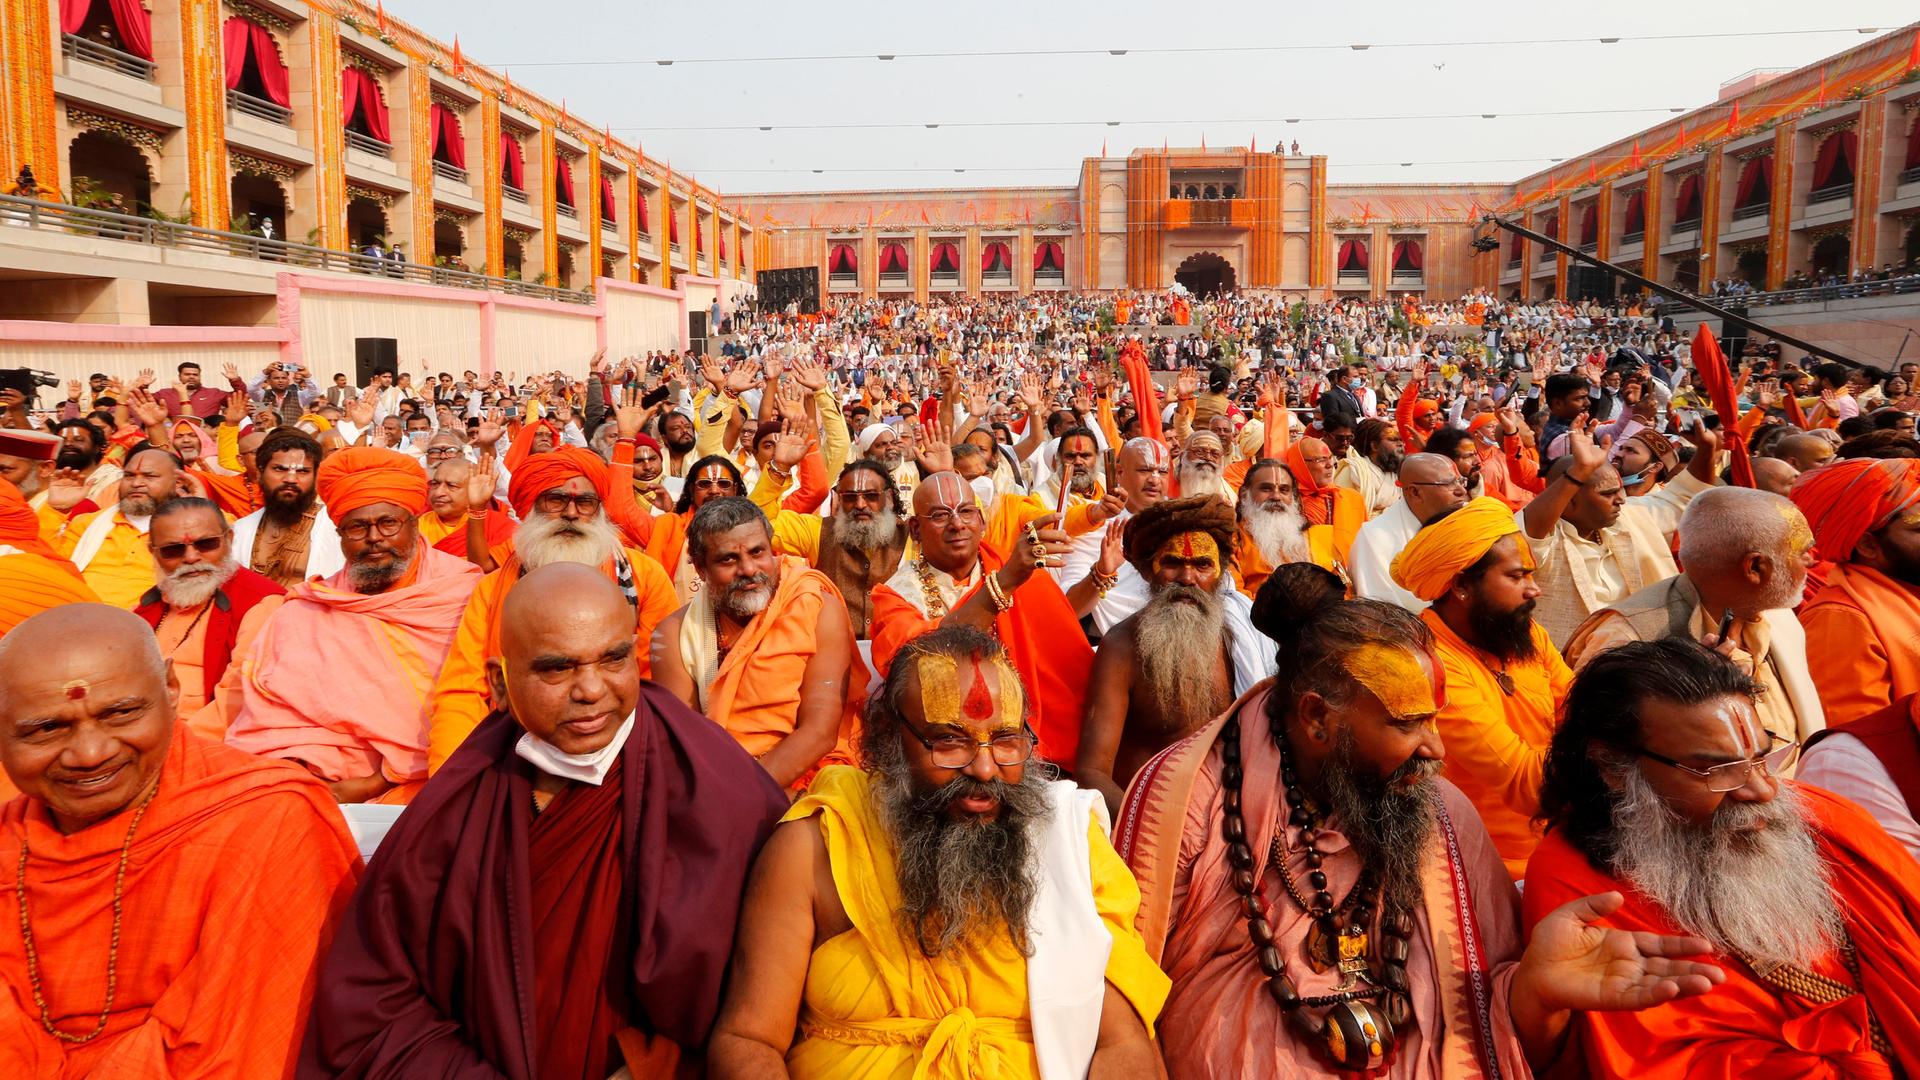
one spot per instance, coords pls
(1109, 506)
(740, 380)
(809, 375)
(65, 489)
(791, 447)
(979, 399)
(481, 481)
(1573, 965)
(73, 389)
(714, 374)
(360, 413)
(235, 410)
(146, 411)
(1032, 392)
(143, 379)
(1187, 383)
(629, 419)
(1028, 555)
(933, 450)
(596, 364)
(1587, 455)
(1112, 550)
(1704, 439)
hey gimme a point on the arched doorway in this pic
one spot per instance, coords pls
(449, 244)
(259, 205)
(1913, 246)
(1205, 273)
(366, 224)
(1687, 275)
(512, 258)
(1830, 256)
(1752, 267)
(109, 173)
(563, 268)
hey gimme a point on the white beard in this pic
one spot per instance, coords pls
(1762, 893)
(1198, 479)
(865, 536)
(1280, 535)
(190, 586)
(544, 539)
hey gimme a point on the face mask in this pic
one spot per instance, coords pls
(1630, 481)
(982, 489)
(1355, 384)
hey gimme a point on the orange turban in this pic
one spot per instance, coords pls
(522, 446)
(1425, 406)
(363, 475)
(544, 472)
(20, 526)
(1482, 420)
(1438, 553)
(1845, 500)
(30, 585)
(1303, 481)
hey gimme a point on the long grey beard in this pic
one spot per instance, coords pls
(960, 881)
(865, 535)
(1387, 821)
(367, 579)
(1178, 648)
(190, 586)
(1198, 479)
(1764, 893)
(545, 539)
(1279, 534)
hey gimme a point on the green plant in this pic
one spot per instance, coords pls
(184, 217)
(543, 278)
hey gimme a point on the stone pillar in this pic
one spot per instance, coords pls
(1654, 201)
(922, 268)
(663, 229)
(29, 128)
(1023, 260)
(1379, 262)
(1780, 221)
(550, 203)
(1319, 249)
(329, 132)
(1560, 258)
(1605, 250)
(592, 216)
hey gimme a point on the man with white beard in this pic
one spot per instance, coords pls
(859, 545)
(1272, 530)
(1430, 485)
(205, 608)
(1140, 473)
(1173, 666)
(1202, 467)
(1662, 784)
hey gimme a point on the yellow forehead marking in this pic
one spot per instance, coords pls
(942, 703)
(1799, 533)
(1392, 675)
(1188, 547)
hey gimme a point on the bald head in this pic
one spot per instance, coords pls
(1431, 486)
(1426, 468)
(1745, 549)
(86, 711)
(1804, 451)
(567, 666)
(1774, 475)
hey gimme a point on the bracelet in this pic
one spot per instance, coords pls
(1104, 582)
(783, 477)
(1001, 601)
(480, 514)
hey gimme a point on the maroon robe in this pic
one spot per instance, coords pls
(433, 970)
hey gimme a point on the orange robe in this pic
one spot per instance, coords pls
(1042, 637)
(1251, 569)
(1343, 509)
(1743, 1029)
(236, 495)
(30, 584)
(1862, 629)
(239, 870)
(459, 700)
(755, 693)
(452, 539)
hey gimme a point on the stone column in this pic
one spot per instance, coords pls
(329, 132)
(488, 162)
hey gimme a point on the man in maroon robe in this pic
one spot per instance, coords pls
(559, 900)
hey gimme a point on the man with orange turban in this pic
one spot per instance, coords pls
(1322, 502)
(33, 577)
(561, 498)
(1505, 679)
(338, 679)
(1863, 623)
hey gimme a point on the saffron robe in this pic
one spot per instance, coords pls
(239, 872)
(437, 967)
(1861, 629)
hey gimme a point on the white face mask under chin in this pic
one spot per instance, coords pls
(583, 768)
(982, 489)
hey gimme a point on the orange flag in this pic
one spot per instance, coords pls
(1733, 118)
(1636, 162)
(1913, 54)
(1710, 366)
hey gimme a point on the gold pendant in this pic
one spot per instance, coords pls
(1352, 945)
(1359, 1038)
(1323, 949)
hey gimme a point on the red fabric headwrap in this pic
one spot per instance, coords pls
(544, 472)
(1845, 500)
(363, 475)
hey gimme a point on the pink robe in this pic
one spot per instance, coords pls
(339, 679)
(1219, 1020)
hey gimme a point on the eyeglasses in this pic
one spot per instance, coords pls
(710, 484)
(967, 515)
(557, 502)
(858, 495)
(1456, 482)
(206, 545)
(1733, 775)
(954, 751)
(442, 451)
(386, 526)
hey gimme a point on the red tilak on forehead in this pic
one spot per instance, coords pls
(76, 689)
(1186, 545)
(979, 703)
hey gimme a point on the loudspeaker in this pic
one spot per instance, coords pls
(1733, 336)
(697, 332)
(1589, 283)
(799, 285)
(372, 355)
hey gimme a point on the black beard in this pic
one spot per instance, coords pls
(283, 510)
(679, 447)
(1388, 821)
(72, 457)
(1508, 636)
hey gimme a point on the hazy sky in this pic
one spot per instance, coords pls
(600, 58)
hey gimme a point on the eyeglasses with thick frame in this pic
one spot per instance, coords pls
(205, 545)
(359, 530)
(951, 751)
(557, 502)
(1733, 775)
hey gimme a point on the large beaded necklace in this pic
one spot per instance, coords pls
(1357, 1031)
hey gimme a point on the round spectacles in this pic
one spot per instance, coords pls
(557, 502)
(952, 750)
(1733, 775)
(359, 530)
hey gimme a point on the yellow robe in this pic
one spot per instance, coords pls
(875, 1008)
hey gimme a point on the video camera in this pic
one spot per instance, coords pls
(27, 380)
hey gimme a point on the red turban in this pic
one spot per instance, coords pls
(363, 475)
(20, 526)
(522, 446)
(1845, 500)
(544, 472)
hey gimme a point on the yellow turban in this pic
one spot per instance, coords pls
(1435, 556)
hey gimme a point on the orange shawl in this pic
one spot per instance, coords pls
(1343, 509)
(238, 873)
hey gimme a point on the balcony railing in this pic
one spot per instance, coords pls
(1513, 261)
(1407, 277)
(1050, 277)
(59, 217)
(449, 172)
(1590, 246)
(1632, 237)
(513, 194)
(1814, 294)
(674, 247)
(259, 108)
(106, 56)
(893, 281)
(1834, 193)
(1911, 176)
(1691, 224)
(608, 224)
(367, 144)
(843, 281)
(1748, 213)
(946, 279)
(997, 279)
(1353, 277)
(564, 210)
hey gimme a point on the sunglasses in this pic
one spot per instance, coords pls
(206, 545)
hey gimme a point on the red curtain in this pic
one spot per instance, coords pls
(448, 146)
(1913, 147)
(562, 180)
(606, 199)
(360, 90)
(513, 166)
(1834, 165)
(893, 259)
(1636, 213)
(842, 261)
(722, 241)
(673, 228)
(1353, 255)
(1406, 255)
(1686, 204)
(946, 259)
(699, 233)
(640, 215)
(1514, 249)
(1590, 224)
(132, 21)
(1756, 183)
(996, 258)
(1550, 226)
(239, 38)
(1049, 256)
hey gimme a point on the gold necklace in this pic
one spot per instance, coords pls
(113, 945)
(936, 605)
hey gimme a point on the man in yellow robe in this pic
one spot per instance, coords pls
(109, 547)
(979, 923)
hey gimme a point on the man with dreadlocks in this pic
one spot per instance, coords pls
(945, 911)
(1325, 904)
